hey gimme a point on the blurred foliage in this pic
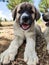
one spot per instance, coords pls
(5, 20)
(44, 5)
(0, 21)
(12, 3)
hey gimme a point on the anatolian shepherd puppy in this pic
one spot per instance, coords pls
(25, 15)
(46, 32)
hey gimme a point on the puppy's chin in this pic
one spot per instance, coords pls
(25, 26)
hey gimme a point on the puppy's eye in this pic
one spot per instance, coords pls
(31, 12)
(20, 11)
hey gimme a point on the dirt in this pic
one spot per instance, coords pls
(40, 48)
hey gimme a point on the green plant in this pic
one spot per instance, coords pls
(44, 5)
(12, 3)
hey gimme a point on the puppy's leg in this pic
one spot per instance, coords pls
(46, 35)
(47, 39)
(30, 55)
(48, 47)
(9, 54)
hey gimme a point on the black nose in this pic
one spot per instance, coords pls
(25, 18)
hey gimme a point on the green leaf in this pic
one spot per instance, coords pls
(12, 3)
(44, 5)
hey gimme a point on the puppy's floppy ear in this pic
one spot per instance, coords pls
(37, 14)
(14, 13)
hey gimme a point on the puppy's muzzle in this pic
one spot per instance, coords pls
(46, 18)
(25, 21)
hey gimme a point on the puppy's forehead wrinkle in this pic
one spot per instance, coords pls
(25, 5)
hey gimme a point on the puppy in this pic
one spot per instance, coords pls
(46, 32)
(24, 15)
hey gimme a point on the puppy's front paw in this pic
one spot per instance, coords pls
(31, 58)
(48, 47)
(6, 57)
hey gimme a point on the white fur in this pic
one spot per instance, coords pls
(24, 14)
(30, 55)
(9, 54)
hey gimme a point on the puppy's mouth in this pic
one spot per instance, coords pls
(25, 26)
(47, 24)
(46, 20)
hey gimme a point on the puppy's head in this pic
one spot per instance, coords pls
(46, 18)
(25, 14)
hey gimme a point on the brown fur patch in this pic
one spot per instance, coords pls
(25, 6)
